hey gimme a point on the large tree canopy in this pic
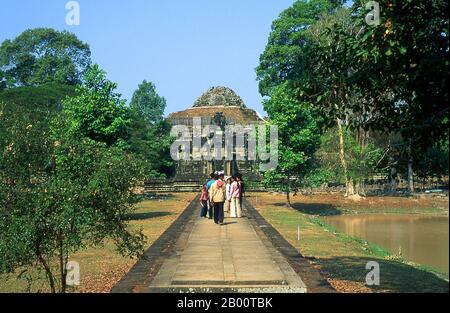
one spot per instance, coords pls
(150, 133)
(48, 96)
(64, 183)
(287, 53)
(392, 76)
(148, 103)
(97, 111)
(389, 77)
(43, 55)
(404, 65)
(299, 135)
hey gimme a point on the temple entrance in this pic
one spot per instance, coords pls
(218, 106)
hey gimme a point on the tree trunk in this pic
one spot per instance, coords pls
(363, 137)
(410, 176)
(48, 272)
(359, 190)
(393, 178)
(62, 264)
(350, 187)
(288, 193)
(410, 169)
(348, 181)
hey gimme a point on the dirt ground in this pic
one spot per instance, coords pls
(334, 204)
(102, 267)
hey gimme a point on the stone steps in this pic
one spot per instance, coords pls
(192, 186)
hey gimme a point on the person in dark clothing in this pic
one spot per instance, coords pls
(204, 202)
(241, 188)
(213, 178)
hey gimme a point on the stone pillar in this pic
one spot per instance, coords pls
(228, 168)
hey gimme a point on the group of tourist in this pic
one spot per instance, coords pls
(222, 194)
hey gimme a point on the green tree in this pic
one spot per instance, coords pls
(149, 132)
(330, 89)
(152, 143)
(97, 111)
(361, 160)
(47, 96)
(363, 78)
(43, 55)
(407, 57)
(60, 192)
(434, 161)
(403, 64)
(148, 103)
(289, 51)
(299, 135)
(304, 53)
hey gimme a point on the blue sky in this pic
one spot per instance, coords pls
(183, 46)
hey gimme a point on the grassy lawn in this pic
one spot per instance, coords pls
(101, 268)
(342, 258)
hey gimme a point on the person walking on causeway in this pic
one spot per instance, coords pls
(204, 202)
(212, 180)
(235, 192)
(217, 196)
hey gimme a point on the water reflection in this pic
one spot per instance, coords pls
(421, 239)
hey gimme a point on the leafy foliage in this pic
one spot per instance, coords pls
(407, 59)
(288, 50)
(149, 132)
(361, 160)
(41, 56)
(434, 161)
(48, 96)
(148, 103)
(298, 138)
(388, 79)
(152, 143)
(62, 190)
(97, 111)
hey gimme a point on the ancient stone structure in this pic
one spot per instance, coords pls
(218, 106)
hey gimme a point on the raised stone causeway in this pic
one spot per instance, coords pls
(196, 255)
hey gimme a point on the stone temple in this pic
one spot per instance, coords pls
(217, 106)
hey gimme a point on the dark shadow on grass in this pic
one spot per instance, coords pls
(394, 276)
(158, 196)
(321, 209)
(147, 215)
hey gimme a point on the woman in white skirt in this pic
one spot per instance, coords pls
(235, 207)
(228, 180)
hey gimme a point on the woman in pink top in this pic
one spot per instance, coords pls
(235, 207)
(204, 202)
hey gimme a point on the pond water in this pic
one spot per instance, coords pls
(422, 239)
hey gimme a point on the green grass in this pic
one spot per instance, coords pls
(343, 258)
